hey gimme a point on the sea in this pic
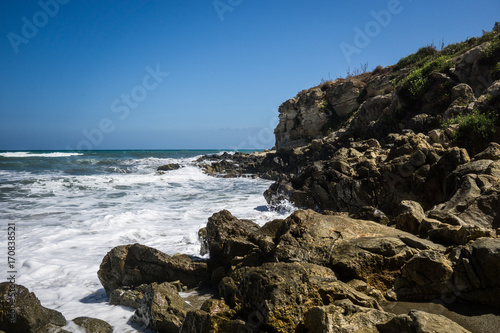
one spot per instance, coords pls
(70, 208)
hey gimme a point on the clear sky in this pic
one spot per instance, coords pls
(197, 74)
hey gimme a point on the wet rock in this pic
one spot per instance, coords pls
(161, 308)
(133, 265)
(169, 167)
(93, 325)
(27, 315)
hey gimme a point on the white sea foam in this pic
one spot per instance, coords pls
(29, 154)
(67, 223)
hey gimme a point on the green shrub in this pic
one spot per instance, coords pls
(417, 80)
(492, 52)
(474, 125)
(422, 53)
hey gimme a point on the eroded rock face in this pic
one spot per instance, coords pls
(28, 315)
(279, 294)
(161, 308)
(344, 319)
(133, 265)
(476, 271)
(419, 321)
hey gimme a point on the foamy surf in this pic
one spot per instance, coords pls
(69, 212)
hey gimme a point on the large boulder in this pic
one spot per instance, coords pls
(133, 265)
(21, 311)
(355, 249)
(161, 308)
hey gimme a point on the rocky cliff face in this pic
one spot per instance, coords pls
(418, 93)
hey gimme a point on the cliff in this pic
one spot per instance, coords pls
(416, 94)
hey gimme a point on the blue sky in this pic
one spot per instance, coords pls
(175, 74)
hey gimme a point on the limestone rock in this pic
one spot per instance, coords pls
(27, 315)
(408, 216)
(133, 265)
(426, 276)
(161, 308)
(279, 294)
(93, 325)
(356, 249)
(344, 319)
(420, 322)
(226, 238)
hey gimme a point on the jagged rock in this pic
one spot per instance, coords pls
(226, 238)
(161, 308)
(133, 265)
(199, 321)
(301, 119)
(169, 167)
(344, 319)
(426, 276)
(370, 111)
(420, 322)
(278, 295)
(343, 97)
(128, 297)
(477, 268)
(93, 325)
(469, 70)
(28, 315)
(408, 216)
(490, 153)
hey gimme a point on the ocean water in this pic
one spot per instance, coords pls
(70, 208)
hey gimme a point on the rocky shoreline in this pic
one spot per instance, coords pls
(397, 176)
